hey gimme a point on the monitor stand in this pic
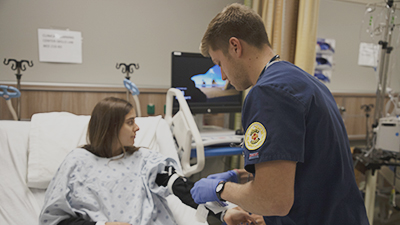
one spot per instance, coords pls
(212, 129)
(215, 135)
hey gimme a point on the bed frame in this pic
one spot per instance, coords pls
(21, 202)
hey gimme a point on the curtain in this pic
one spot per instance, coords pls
(292, 28)
(280, 19)
(307, 35)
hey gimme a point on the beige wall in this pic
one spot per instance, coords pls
(113, 31)
(146, 32)
(342, 21)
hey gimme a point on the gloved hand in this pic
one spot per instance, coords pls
(204, 190)
(230, 175)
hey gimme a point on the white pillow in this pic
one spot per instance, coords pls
(52, 136)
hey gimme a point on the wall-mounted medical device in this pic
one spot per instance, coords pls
(388, 134)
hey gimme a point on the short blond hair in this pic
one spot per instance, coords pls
(238, 21)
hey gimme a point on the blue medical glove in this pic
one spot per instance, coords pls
(230, 175)
(204, 190)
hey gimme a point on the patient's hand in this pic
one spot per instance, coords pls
(237, 215)
(117, 223)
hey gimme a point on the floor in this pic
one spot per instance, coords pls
(382, 211)
(213, 221)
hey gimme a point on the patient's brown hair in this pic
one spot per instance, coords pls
(106, 120)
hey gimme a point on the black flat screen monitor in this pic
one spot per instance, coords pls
(200, 81)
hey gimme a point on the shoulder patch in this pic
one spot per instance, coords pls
(255, 136)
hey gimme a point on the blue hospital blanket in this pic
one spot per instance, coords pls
(101, 189)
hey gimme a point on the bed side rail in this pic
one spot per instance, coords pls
(184, 130)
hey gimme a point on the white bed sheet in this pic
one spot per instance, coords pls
(18, 205)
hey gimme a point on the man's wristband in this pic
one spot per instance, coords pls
(218, 190)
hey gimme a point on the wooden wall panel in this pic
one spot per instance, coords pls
(76, 100)
(354, 117)
(81, 100)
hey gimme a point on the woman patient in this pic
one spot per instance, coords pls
(109, 181)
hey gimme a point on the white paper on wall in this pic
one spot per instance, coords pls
(368, 54)
(60, 46)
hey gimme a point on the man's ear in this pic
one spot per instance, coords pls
(235, 46)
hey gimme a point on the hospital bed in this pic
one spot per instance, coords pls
(31, 151)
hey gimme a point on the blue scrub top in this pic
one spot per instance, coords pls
(290, 115)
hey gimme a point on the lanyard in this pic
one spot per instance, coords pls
(276, 57)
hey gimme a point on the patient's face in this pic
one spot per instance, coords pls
(128, 130)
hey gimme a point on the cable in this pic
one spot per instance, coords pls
(373, 146)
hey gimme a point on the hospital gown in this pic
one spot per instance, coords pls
(101, 189)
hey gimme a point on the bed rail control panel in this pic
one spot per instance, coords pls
(224, 140)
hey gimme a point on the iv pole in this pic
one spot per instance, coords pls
(131, 88)
(128, 69)
(386, 48)
(18, 66)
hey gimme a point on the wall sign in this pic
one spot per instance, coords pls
(60, 46)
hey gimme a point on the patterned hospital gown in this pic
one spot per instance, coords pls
(122, 190)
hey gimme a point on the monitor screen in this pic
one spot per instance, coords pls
(200, 81)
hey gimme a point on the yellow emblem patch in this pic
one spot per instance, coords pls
(255, 136)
